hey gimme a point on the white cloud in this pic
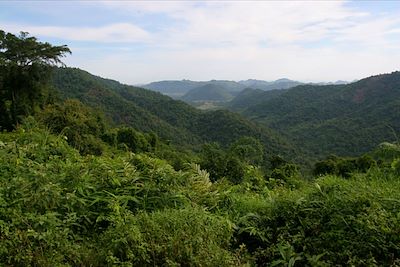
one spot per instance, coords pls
(170, 7)
(236, 63)
(211, 23)
(373, 32)
(305, 40)
(120, 32)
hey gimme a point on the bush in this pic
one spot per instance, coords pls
(188, 237)
(132, 139)
(344, 166)
(81, 125)
(58, 207)
(336, 221)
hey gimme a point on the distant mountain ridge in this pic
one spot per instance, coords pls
(266, 86)
(250, 97)
(176, 88)
(344, 119)
(173, 88)
(210, 93)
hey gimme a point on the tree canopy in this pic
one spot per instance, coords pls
(24, 50)
(24, 74)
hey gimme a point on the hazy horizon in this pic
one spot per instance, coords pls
(137, 42)
(138, 84)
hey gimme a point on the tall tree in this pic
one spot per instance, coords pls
(248, 149)
(25, 64)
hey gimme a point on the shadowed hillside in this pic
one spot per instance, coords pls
(150, 111)
(208, 92)
(343, 119)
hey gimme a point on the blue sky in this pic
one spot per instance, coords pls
(142, 41)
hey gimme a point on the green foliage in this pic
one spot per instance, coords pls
(208, 92)
(173, 121)
(248, 149)
(328, 166)
(235, 169)
(135, 141)
(333, 222)
(386, 152)
(23, 50)
(231, 163)
(344, 166)
(282, 173)
(61, 208)
(63, 202)
(250, 97)
(395, 166)
(276, 161)
(81, 126)
(188, 237)
(179, 159)
(213, 159)
(346, 120)
(24, 75)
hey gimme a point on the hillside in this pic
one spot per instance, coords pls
(208, 92)
(177, 89)
(64, 209)
(342, 119)
(172, 88)
(274, 85)
(250, 97)
(106, 95)
(172, 120)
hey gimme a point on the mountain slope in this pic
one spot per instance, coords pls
(173, 88)
(105, 95)
(250, 97)
(176, 88)
(208, 92)
(274, 85)
(343, 119)
(172, 120)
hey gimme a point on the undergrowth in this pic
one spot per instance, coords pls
(59, 208)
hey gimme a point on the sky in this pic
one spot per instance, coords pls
(137, 42)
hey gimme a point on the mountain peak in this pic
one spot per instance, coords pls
(283, 80)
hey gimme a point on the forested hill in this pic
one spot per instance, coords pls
(250, 97)
(173, 120)
(173, 88)
(178, 89)
(267, 86)
(208, 92)
(342, 119)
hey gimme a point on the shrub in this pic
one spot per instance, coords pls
(188, 237)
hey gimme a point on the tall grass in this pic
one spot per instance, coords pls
(59, 208)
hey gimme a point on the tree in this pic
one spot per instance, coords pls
(25, 65)
(132, 139)
(82, 125)
(213, 159)
(277, 161)
(248, 150)
(234, 170)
